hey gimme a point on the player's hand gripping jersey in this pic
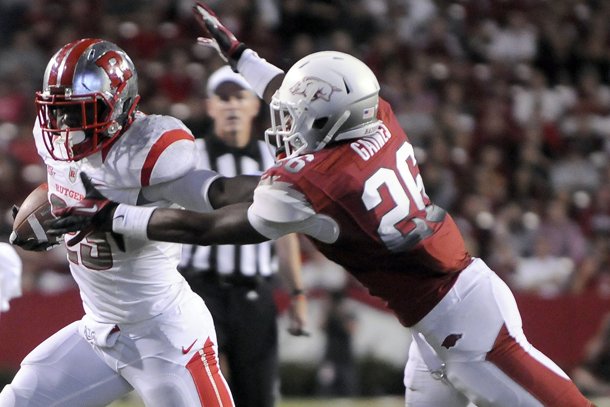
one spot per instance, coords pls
(365, 203)
(140, 281)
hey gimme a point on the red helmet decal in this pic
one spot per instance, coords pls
(112, 63)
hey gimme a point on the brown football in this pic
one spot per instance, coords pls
(30, 219)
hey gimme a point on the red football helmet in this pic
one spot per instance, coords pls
(88, 99)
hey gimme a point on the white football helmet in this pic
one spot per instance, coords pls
(88, 98)
(325, 97)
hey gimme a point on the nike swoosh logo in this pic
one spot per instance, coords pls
(185, 351)
(92, 209)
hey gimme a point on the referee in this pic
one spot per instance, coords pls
(236, 281)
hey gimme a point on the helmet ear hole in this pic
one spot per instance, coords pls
(319, 123)
(127, 104)
(102, 110)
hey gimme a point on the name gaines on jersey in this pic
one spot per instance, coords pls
(367, 146)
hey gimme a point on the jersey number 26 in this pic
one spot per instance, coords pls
(405, 187)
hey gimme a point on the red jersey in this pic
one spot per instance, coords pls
(399, 245)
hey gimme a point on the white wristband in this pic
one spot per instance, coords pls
(257, 71)
(132, 221)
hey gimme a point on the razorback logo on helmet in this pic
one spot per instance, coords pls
(112, 63)
(314, 88)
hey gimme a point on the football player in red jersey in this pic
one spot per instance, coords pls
(349, 180)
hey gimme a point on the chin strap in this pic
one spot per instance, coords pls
(333, 130)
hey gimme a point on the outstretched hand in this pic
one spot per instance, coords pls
(297, 314)
(218, 35)
(92, 213)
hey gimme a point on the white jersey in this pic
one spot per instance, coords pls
(10, 275)
(145, 166)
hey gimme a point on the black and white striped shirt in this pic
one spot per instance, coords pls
(248, 260)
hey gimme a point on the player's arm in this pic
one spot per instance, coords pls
(230, 190)
(277, 210)
(176, 174)
(223, 226)
(203, 190)
(97, 213)
(289, 258)
(265, 78)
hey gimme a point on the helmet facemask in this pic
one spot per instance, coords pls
(74, 127)
(298, 129)
(81, 115)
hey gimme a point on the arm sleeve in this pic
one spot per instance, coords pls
(189, 191)
(279, 209)
(257, 71)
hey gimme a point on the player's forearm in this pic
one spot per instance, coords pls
(264, 77)
(228, 225)
(175, 226)
(231, 190)
(289, 257)
(272, 87)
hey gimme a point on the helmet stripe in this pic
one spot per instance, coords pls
(62, 73)
(57, 62)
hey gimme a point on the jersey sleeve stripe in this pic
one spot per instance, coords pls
(166, 139)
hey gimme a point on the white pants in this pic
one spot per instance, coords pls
(170, 360)
(476, 333)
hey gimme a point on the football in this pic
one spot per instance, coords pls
(28, 225)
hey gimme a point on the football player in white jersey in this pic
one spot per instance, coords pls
(10, 275)
(350, 181)
(143, 327)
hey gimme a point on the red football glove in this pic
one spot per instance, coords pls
(94, 212)
(220, 37)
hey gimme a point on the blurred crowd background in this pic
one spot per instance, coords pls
(507, 103)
